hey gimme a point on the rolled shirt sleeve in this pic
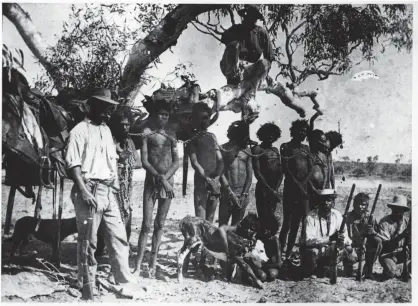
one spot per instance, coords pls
(75, 149)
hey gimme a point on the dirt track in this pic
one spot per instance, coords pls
(192, 290)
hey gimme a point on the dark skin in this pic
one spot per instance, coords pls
(296, 170)
(160, 160)
(206, 160)
(99, 112)
(238, 169)
(267, 167)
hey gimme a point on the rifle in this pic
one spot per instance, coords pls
(406, 252)
(87, 292)
(334, 251)
(359, 276)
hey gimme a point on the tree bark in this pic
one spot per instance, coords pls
(162, 37)
(27, 30)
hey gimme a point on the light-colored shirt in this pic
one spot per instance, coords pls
(91, 147)
(316, 228)
(387, 228)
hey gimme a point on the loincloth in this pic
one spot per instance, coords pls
(157, 189)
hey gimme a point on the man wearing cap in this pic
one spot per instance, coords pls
(389, 239)
(245, 43)
(321, 230)
(91, 159)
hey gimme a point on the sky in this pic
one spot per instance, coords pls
(375, 114)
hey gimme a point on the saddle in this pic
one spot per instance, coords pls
(34, 133)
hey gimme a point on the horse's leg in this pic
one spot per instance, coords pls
(10, 203)
(185, 170)
(56, 243)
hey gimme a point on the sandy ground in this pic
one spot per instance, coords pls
(193, 290)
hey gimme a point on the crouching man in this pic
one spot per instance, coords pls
(356, 226)
(321, 235)
(388, 241)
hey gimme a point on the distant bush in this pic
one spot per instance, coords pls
(407, 171)
(389, 169)
(339, 170)
(358, 172)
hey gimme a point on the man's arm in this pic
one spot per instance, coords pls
(312, 120)
(194, 162)
(266, 45)
(229, 35)
(86, 195)
(280, 175)
(311, 239)
(249, 177)
(144, 158)
(285, 167)
(219, 161)
(257, 171)
(73, 158)
(175, 159)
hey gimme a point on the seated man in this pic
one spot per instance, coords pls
(270, 270)
(321, 235)
(389, 239)
(356, 223)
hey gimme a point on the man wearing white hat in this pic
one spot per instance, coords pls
(388, 241)
(92, 164)
(322, 227)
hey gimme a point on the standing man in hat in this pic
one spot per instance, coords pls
(388, 241)
(241, 63)
(92, 164)
(321, 230)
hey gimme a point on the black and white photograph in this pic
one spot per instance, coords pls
(207, 153)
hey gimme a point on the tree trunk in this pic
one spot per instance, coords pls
(27, 30)
(162, 37)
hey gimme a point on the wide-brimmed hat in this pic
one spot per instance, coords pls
(399, 201)
(103, 94)
(327, 193)
(250, 9)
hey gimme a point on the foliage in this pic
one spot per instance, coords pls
(389, 169)
(339, 170)
(358, 172)
(95, 42)
(407, 171)
(371, 163)
(345, 158)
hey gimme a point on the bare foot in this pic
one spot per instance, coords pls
(151, 273)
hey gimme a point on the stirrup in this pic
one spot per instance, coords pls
(49, 185)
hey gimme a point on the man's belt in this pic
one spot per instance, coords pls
(96, 182)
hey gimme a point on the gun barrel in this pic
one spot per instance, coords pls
(347, 208)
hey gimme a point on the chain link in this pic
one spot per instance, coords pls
(299, 153)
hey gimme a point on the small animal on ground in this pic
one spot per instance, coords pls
(198, 233)
(48, 229)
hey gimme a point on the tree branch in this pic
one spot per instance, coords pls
(162, 37)
(33, 39)
(209, 27)
(289, 55)
(204, 32)
(231, 15)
